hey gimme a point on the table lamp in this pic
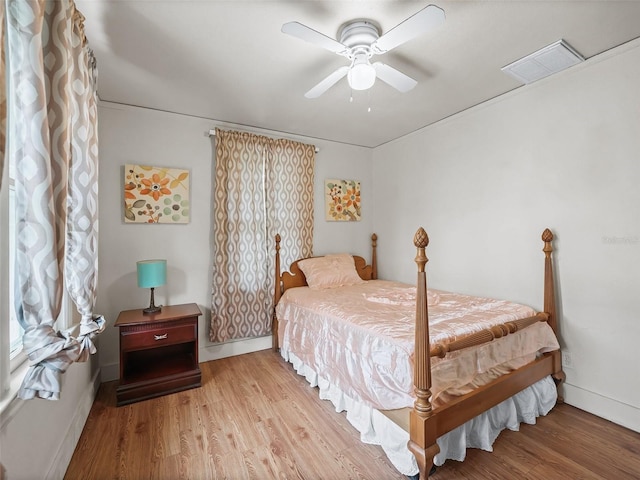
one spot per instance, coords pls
(151, 274)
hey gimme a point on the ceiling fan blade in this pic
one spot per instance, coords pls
(307, 34)
(327, 83)
(419, 23)
(393, 77)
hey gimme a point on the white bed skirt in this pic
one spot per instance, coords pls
(479, 432)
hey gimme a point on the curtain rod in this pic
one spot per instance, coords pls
(212, 133)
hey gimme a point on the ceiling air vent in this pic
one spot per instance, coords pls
(546, 61)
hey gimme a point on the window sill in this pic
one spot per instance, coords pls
(10, 404)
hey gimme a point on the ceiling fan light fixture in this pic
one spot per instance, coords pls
(359, 41)
(361, 75)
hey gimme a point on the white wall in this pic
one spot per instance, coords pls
(137, 135)
(38, 437)
(561, 153)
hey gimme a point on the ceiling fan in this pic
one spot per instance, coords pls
(359, 41)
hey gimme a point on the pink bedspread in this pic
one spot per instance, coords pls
(361, 339)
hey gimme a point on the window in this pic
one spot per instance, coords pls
(6, 331)
(16, 356)
(12, 356)
(13, 361)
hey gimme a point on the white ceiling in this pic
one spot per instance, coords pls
(228, 61)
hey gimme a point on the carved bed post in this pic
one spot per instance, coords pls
(276, 298)
(550, 308)
(422, 360)
(549, 287)
(421, 443)
(374, 257)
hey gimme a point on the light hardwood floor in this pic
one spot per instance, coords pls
(255, 418)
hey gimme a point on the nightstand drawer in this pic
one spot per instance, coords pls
(163, 335)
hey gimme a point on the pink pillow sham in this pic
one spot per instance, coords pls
(330, 271)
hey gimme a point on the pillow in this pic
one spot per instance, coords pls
(330, 271)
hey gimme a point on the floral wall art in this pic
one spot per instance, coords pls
(156, 194)
(342, 200)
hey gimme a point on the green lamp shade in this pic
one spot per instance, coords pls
(152, 273)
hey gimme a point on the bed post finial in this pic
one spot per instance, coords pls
(422, 358)
(374, 257)
(421, 239)
(276, 297)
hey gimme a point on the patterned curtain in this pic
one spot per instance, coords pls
(81, 254)
(262, 187)
(52, 124)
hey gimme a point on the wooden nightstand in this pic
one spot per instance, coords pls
(158, 352)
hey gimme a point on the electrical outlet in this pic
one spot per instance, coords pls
(567, 361)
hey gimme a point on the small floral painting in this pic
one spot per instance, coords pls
(342, 200)
(155, 194)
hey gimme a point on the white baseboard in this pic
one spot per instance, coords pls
(231, 349)
(617, 412)
(70, 440)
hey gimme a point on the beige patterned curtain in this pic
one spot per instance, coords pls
(263, 186)
(81, 247)
(53, 132)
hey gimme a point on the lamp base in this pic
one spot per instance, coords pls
(152, 308)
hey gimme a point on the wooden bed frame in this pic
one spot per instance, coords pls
(426, 423)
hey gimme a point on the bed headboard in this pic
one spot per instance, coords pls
(295, 278)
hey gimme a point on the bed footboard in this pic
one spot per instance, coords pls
(427, 424)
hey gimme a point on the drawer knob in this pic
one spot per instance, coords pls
(161, 337)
